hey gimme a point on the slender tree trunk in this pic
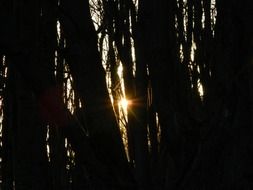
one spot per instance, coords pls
(29, 172)
(89, 81)
(30, 162)
(7, 137)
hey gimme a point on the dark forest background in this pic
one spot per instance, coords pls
(187, 74)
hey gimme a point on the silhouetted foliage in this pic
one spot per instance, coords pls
(184, 66)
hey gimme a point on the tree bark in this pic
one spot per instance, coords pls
(89, 81)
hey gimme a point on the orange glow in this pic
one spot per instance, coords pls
(124, 103)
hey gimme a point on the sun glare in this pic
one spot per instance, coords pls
(124, 103)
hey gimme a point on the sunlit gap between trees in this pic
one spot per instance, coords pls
(122, 103)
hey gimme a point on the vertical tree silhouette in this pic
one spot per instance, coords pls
(187, 70)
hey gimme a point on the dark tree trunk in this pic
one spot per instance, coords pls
(30, 156)
(30, 169)
(89, 81)
(178, 139)
(7, 138)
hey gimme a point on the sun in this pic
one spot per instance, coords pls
(124, 103)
